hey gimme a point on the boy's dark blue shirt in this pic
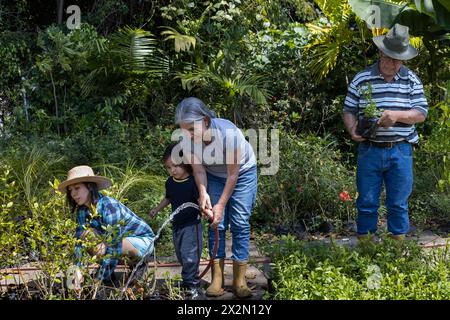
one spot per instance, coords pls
(179, 192)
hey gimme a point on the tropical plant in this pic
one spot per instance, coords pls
(234, 83)
(31, 169)
(128, 55)
(330, 36)
(182, 42)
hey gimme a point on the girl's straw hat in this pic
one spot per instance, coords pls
(83, 174)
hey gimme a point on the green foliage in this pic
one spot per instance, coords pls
(35, 232)
(331, 36)
(14, 55)
(314, 195)
(35, 223)
(388, 12)
(435, 152)
(182, 42)
(371, 110)
(236, 83)
(105, 95)
(9, 239)
(307, 271)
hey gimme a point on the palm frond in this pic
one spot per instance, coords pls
(133, 47)
(328, 40)
(334, 10)
(182, 42)
(324, 59)
(128, 52)
(253, 86)
(32, 170)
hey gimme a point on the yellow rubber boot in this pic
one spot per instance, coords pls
(217, 281)
(239, 282)
(399, 237)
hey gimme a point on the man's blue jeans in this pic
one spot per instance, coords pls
(393, 166)
(236, 214)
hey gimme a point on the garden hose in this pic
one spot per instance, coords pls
(216, 247)
(144, 257)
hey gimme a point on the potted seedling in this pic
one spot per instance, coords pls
(368, 122)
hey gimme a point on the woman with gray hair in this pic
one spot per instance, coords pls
(224, 167)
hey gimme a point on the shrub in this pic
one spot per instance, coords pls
(389, 270)
(36, 226)
(307, 185)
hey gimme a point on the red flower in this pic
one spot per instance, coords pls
(345, 196)
(299, 189)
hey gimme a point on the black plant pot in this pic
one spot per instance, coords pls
(325, 227)
(281, 230)
(367, 127)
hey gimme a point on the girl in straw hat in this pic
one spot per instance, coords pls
(99, 216)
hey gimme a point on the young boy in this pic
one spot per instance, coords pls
(186, 225)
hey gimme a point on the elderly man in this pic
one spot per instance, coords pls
(387, 156)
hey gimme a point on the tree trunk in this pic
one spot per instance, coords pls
(60, 10)
(56, 103)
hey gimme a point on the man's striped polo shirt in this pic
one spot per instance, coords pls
(404, 92)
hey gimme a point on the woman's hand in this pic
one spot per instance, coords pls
(204, 202)
(208, 214)
(218, 215)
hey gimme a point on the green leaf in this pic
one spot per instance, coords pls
(442, 13)
(417, 22)
(182, 42)
(133, 47)
(445, 4)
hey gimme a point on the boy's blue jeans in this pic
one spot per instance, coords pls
(393, 166)
(236, 213)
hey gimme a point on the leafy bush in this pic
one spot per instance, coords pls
(36, 226)
(307, 185)
(390, 270)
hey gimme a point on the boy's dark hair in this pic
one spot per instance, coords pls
(168, 153)
(93, 193)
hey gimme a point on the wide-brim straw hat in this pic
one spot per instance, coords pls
(83, 174)
(395, 43)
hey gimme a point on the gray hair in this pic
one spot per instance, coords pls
(192, 109)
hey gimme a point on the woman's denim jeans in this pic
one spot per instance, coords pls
(394, 167)
(236, 214)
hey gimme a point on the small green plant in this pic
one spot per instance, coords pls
(171, 290)
(371, 110)
(370, 271)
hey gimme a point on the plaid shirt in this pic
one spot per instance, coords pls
(113, 222)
